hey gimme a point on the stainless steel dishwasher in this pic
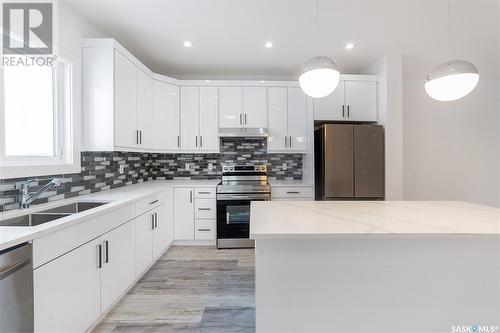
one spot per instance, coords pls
(16, 289)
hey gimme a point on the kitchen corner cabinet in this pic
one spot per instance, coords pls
(241, 107)
(199, 119)
(166, 115)
(352, 101)
(287, 120)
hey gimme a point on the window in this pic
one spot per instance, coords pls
(36, 118)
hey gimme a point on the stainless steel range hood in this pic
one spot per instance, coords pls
(243, 132)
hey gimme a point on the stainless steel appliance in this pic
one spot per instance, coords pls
(16, 289)
(349, 161)
(240, 185)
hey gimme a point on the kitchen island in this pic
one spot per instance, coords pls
(379, 266)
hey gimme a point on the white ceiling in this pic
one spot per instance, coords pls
(228, 36)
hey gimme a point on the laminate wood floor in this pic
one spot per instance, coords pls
(190, 290)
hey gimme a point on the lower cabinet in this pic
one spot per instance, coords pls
(194, 213)
(67, 291)
(292, 193)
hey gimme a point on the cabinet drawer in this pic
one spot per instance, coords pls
(204, 193)
(293, 192)
(204, 209)
(149, 203)
(204, 230)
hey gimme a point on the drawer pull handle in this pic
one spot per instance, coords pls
(204, 229)
(153, 202)
(201, 192)
(204, 208)
(292, 192)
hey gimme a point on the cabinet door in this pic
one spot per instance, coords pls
(184, 213)
(190, 117)
(230, 107)
(67, 291)
(209, 139)
(331, 107)
(118, 264)
(125, 102)
(160, 231)
(143, 242)
(361, 99)
(255, 107)
(169, 216)
(297, 120)
(369, 161)
(145, 112)
(166, 116)
(277, 119)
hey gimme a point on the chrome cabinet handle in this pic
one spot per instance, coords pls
(196, 141)
(285, 141)
(140, 136)
(343, 111)
(190, 196)
(246, 119)
(348, 115)
(203, 192)
(290, 138)
(156, 220)
(178, 141)
(201, 141)
(99, 256)
(153, 202)
(204, 229)
(292, 192)
(137, 136)
(152, 221)
(106, 251)
(204, 208)
(241, 122)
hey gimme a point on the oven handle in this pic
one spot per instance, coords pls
(265, 197)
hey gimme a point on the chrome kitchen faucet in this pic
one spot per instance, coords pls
(25, 198)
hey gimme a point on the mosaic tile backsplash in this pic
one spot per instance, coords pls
(101, 170)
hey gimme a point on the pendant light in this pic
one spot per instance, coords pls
(319, 76)
(453, 79)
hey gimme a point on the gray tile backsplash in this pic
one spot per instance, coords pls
(100, 170)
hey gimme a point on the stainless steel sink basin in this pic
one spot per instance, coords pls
(73, 208)
(33, 219)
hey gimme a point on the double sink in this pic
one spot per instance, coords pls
(34, 219)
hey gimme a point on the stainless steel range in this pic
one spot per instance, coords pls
(240, 185)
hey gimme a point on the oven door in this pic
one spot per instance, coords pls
(233, 216)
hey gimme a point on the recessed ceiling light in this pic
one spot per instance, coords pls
(188, 44)
(262, 81)
(207, 81)
(349, 46)
(269, 44)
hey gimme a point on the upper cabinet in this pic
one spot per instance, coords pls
(352, 101)
(166, 116)
(199, 119)
(241, 107)
(287, 120)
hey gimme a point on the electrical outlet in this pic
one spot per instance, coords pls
(122, 168)
(187, 166)
(284, 167)
(210, 166)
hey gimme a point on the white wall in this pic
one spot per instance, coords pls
(451, 149)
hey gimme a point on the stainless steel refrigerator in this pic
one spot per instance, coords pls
(349, 162)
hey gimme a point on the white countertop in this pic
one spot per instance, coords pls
(299, 219)
(294, 182)
(11, 236)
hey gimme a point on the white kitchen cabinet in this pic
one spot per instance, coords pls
(292, 192)
(166, 116)
(125, 99)
(159, 230)
(354, 101)
(297, 120)
(230, 107)
(190, 118)
(143, 242)
(145, 111)
(209, 140)
(184, 213)
(287, 120)
(255, 107)
(199, 119)
(67, 291)
(118, 264)
(278, 128)
(361, 100)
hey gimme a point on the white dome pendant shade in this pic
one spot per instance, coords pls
(451, 80)
(319, 77)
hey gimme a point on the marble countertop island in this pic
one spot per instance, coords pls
(297, 219)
